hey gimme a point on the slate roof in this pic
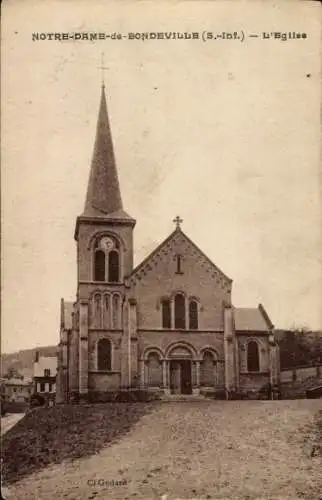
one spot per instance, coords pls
(103, 192)
(252, 319)
(17, 381)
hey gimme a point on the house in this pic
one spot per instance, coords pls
(166, 325)
(44, 376)
(17, 390)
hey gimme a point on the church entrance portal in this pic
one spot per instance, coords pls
(180, 376)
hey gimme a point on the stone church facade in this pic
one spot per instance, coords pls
(167, 325)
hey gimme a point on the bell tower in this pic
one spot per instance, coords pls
(104, 236)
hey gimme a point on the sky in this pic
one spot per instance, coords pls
(224, 133)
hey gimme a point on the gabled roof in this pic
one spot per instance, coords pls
(174, 234)
(17, 381)
(250, 319)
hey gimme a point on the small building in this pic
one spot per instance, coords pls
(17, 390)
(44, 379)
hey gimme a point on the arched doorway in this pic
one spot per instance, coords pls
(180, 364)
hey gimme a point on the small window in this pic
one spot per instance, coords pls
(252, 357)
(179, 264)
(97, 310)
(179, 312)
(193, 315)
(104, 354)
(166, 314)
(50, 387)
(46, 372)
(99, 266)
(113, 267)
(42, 386)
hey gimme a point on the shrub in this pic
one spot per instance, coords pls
(146, 396)
(127, 396)
(237, 396)
(3, 406)
(36, 400)
(220, 394)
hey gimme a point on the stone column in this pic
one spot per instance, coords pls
(187, 314)
(83, 348)
(125, 346)
(164, 373)
(172, 312)
(167, 390)
(229, 349)
(195, 368)
(215, 374)
(133, 342)
(236, 364)
(142, 374)
(198, 374)
(146, 373)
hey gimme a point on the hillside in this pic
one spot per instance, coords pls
(23, 361)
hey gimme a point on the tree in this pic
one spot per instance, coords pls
(13, 373)
(300, 347)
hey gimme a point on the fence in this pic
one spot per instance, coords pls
(295, 382)
(301, 373)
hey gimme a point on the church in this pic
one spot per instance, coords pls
(167, 325)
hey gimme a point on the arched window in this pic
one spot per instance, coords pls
(252, 356)
(104, 354)
(97, 311)
(207, 369)
(179, 311)
(113, 266)
(166, 313)
(154, 370)
(193, 315)
(99, 266)
(107, 259)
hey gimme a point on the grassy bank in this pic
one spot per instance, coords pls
(50, 435)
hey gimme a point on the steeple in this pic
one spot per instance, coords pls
(103, 192)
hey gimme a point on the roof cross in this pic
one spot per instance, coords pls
(102, 67)
(177, 221)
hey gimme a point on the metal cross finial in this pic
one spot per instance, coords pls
(177, 221)
(102, 67)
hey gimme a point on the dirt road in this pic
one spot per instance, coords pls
(9, 421)
(216, 449)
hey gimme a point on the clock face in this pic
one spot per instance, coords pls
(107, 243)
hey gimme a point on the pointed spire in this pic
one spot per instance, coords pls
(103, 192)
